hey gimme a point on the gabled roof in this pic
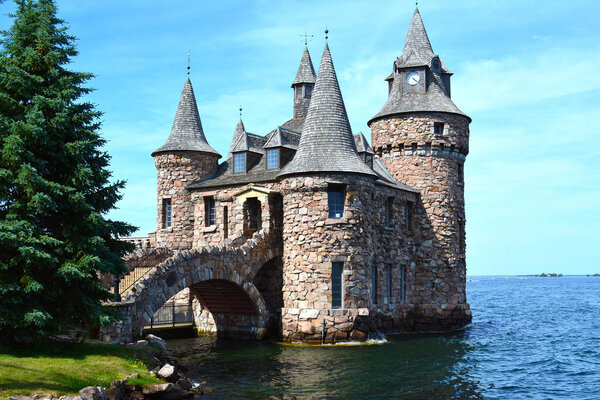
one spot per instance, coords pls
(249, 142)
(282, 137)
(306, 71)
(239, 131)
(326, 143)
(362, 145)
(187, 133)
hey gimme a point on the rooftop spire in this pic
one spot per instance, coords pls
(306, 71)
(326, 144)
(187, 133)
(417, 44)
(239, 131)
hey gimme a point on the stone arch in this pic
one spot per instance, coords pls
(236, 265)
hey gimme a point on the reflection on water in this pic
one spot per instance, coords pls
(410, 367)
(535, 338)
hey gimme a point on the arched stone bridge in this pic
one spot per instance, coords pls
(221, 277)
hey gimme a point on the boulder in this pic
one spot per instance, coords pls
(118, 391)
(168, 373)
(158, 342)
(183, 384)
(135, 375)
(93, 393)
(165, 391)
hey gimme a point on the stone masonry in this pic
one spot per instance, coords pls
(308, 233)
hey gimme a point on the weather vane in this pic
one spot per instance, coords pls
(240, 112)
(188, 67)
(326, 32)
(306, 38)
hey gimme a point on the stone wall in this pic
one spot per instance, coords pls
(433, 164)
(360, 240)
(176, 170)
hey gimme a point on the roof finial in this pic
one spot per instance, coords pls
(326, 32)
(240, 113)
(306, 38)
(188, 67)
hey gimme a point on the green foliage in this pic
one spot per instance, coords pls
(55, 188)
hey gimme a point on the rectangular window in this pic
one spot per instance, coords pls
(402, 283)
(272, 158)
(374, 283)
(388, 211)
(438, 128)
(210, 217)
(388, 278)
(167, 218)
(307, 91)
(239, 163)
(407, 216)
(225, 222)
(336, 197)
(369, 160)
(336, 284)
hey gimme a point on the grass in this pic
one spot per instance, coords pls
(66, 367)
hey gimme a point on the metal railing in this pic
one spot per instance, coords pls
(135, 273)
(172, 314)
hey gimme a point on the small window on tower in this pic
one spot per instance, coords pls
(369, 160)
(438, 128)
(336, 197)
(167, 217)
(307, 91)
(407, 216)
(388, 211)
(336, 284)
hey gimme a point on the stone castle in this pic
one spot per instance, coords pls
(310, 232)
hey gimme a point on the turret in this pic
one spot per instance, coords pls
(303, 85)
(422, 138)
(185, 158)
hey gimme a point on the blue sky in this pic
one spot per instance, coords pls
(525, 71)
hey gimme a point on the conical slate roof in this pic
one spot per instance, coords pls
(326, 143)
(187, 133)
(306, 71)
(417, 47)
(237, 134)
(418, 53)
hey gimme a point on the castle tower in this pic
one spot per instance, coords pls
(327, 190)
(185, 158)
(303, 85)
(423, 138)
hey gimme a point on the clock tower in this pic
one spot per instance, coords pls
(422, 138)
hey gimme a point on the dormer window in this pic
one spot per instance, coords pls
(369, 160)
(272, 158)
(239, 163)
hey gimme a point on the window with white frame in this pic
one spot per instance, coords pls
(210, 213)
(272, 158)
(167, 217)
(239, 163)
(336, 197)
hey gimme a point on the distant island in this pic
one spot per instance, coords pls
(596, 274)
(550, 275)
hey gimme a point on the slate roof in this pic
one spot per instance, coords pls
(282, 137)
(326, 144)
(362, 145)
(224, 175)
(239, 131)
(249, 142)
(294, 124)
(418, 52)
(306, 71)
(187, 133)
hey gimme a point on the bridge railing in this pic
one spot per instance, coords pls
(172, 315)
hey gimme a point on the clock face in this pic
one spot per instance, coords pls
(413, 78)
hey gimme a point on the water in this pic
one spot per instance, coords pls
(531, 338)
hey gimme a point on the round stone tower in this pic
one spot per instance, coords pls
(327, 192)
(423, 138)
(185, 158)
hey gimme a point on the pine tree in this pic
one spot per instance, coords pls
(55, 188)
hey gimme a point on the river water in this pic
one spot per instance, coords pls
(531, 338)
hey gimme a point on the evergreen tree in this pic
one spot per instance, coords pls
(55, 188)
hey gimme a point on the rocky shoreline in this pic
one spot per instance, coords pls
(164, 367)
